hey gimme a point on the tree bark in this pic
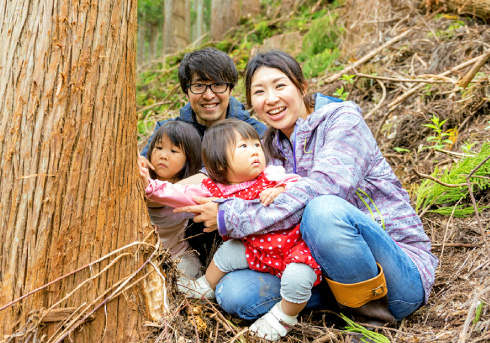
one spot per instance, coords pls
(250, 8)
(225, 14)
(176, 25)
(70, 191)
(199, 22)
(287, 6)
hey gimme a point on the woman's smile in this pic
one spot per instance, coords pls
(276, 100)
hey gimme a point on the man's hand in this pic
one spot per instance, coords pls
(268, 195)
(206, 212)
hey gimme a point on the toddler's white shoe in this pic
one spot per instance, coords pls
(269, 326)
(195, 288)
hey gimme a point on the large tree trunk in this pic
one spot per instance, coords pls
(250, 8)
(69, 186)
(225, 14)
(177, 25)
(198, 25)
(287, 6)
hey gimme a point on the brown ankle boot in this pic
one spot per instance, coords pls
(374, 312)
(366, 301)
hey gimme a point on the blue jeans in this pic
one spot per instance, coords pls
(346, 244)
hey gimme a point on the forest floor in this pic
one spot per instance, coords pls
(431, 61)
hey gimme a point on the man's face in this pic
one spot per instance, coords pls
(209, 107)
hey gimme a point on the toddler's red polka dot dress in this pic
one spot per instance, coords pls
(273, 251)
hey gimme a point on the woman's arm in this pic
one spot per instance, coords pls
(341, 155)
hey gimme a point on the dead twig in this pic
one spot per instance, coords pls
(73, 272)
(394, 79)
(422, 175)
(458, 245)
(475, 207)
(381, 101)
(154, 105)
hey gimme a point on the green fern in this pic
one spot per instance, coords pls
(446, 199)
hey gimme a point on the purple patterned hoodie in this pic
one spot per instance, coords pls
(334, 152)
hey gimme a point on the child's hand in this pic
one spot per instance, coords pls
(268, 195)
(144, 173)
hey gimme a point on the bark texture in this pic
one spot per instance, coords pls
(177, 25)
(225, 14)
(69, 186)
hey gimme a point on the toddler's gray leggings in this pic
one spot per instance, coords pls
(297, 278)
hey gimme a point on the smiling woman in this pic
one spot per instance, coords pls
(277, 100)
(380, 273)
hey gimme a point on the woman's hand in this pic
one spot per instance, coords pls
(206, 212)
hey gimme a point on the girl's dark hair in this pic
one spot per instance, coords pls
(217, 145)
(186, 137)
(288, 65)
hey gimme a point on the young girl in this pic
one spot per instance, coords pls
(175, 153)
(236, 164)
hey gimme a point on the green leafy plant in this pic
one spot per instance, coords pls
(467, 146)
(341, 93)
(439, 140)
(478, 312)
(320, 47)
(450, 31)
(447, 200)
(348, 79)
(397, 149)
(488, 127)
(368, 335)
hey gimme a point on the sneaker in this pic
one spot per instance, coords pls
(195, 288)
(274, 324)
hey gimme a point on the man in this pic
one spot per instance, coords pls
(207, 78)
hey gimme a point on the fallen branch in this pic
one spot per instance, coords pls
(463, 83)
(458, 245)
(394, 79)
(392, 105)
(366, 58)
(421, 175)
(154, 105)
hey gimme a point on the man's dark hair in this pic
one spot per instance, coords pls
(187, 138)
(210, 64)
(219, 143)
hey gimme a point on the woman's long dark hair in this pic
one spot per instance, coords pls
(288, 65)
(186, 137)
